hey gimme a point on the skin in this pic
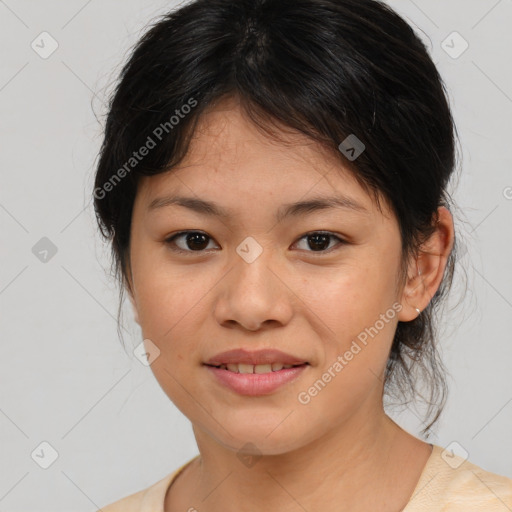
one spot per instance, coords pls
(341, 447)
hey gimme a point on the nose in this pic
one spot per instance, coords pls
(253, 296)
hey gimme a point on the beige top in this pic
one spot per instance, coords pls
(449, 484)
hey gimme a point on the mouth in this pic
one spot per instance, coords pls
(258, 368)
(256, 380)
(255, 372)
(266, 360)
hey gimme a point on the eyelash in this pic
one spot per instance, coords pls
(170, 241)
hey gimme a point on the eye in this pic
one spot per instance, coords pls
(194, 241)
(319, 241)
(197, 241)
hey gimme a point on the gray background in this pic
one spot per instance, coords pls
(65, 378)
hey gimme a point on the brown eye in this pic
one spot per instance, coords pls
(190, 241)
(319, 241)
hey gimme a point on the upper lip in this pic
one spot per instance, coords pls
(254, 357)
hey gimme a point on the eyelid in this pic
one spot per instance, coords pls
(170, 240)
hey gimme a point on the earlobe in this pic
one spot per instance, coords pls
(428, 268)
(413, 291)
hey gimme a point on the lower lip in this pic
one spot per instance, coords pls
(254, 384)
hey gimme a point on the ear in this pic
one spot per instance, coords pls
(129, 287)
(135, 312)
(425, 273)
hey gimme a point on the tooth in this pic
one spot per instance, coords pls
(246, 368)
(259, 368)
(262, 368)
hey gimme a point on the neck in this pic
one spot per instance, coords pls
(361, 464)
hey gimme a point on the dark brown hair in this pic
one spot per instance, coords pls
(324, 68)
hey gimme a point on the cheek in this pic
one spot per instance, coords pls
(173, 308)
(352, 311)
(169, 314)
(167, 293)
(354, 318)
(353, 296)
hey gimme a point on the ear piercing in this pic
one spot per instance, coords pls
(419, 274)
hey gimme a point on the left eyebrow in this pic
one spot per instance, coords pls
(291, 209)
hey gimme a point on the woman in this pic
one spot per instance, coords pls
(273, 180)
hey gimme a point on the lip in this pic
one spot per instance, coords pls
(254, 384)
(255, 357)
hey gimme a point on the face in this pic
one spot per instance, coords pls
(261, 276)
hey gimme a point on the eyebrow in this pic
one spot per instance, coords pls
(291, 209)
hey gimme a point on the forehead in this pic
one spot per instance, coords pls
(230, 158)
(225, 136)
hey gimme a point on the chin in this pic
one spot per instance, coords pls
(258, 440)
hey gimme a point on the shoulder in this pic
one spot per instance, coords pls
(150, 499)
(130, 503)
(139, 501)
(453, 484)
(470, 487)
